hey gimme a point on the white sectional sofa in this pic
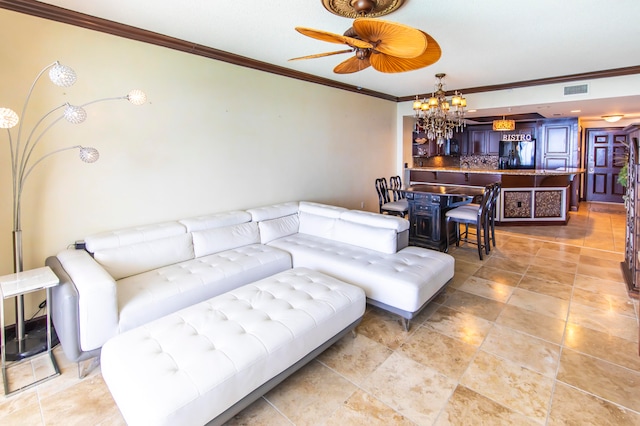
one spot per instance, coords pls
(129, 277)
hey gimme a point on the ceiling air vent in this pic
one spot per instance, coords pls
(576, 90)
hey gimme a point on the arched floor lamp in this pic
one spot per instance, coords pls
(22, 164)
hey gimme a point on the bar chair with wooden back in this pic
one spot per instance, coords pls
(493, 212)
(396, 208)
(472, 214)
(395, 186)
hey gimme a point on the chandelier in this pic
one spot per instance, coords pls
(437, 116)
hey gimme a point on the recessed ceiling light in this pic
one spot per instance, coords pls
(576, 110)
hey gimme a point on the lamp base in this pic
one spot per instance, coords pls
(34, 342)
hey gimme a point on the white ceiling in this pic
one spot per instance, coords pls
(484, 42)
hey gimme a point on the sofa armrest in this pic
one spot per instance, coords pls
(63, 309)
(97, 304)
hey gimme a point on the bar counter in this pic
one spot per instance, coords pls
(528, 196)
(511, 172)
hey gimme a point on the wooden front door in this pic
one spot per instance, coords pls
(605, 157)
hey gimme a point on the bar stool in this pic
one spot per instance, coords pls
(395, 186)
(396, 208)
(495, 196)
(472, 214)
(491, 212)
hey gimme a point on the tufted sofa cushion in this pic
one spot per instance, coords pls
(145, 297)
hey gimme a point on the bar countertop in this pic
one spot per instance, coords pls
(517, 172)
(448, 190)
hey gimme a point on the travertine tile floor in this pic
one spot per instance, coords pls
(542, 332)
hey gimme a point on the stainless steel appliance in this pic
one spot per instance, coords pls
(517, 154)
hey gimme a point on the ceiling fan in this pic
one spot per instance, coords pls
(388, 47)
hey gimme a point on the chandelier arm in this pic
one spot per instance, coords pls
(18, 195)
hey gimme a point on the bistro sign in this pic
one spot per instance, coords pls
(512, 137)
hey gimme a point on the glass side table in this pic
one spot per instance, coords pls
(15, 285)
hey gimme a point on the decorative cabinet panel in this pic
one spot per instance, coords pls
(536, 204)
(477, 142)
(493, 142)
(517, 204)
(558, 144)
(551, 162)
(484, 141)
(557, 140)
(548, 203)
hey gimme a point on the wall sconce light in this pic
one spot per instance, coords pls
(612, 118)
(22, 164)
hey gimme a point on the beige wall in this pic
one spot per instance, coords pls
(212, 137)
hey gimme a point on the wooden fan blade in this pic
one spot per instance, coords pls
(391, 38)
(320, 55)
(334, 38)
(390, 64)
(352, 65)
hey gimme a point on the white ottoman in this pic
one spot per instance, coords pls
(211, 360)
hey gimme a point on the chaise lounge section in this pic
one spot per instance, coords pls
(204, 364)
(365, 249)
